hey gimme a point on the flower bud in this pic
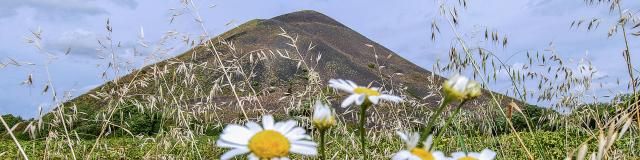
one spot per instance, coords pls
(322, 118)
(460, 88)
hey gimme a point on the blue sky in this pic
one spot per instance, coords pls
(402, 26)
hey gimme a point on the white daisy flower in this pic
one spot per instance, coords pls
(322, 116)
(360, 94)
(269, 141)
(413, 152)
(461, 88)
(486, 154)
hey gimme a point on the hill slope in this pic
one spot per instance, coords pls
(266, 66)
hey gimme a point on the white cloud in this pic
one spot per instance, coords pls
(132, 4)
(78, 41)
(60, 9)
(81, 42)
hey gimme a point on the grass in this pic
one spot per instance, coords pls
(543, 145)
(114, 148)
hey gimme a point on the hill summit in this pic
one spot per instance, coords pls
(266, 66)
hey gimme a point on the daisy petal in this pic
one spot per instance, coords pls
(304, 150)
(374, 99)
(253, 126)
(224, 144)
(304, 143)
(427, 143)
(286, 126)
(360, 99)
(236, 134)
(340, 85)
(253, 157)
(354, 85)
(438, 155)
(473, 154)
(296, 134)
(402, 136)
(488, 154)
(390, 98)
(277, 125)
(458, 155)
(349, 100)
(232, 153)
(267, 122)
(402, 155)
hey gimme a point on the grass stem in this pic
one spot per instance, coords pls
(432, 119)
(14, 138)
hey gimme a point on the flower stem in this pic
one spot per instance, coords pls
(322, 144)
(363, 121)
(432, 119)
(455, 113)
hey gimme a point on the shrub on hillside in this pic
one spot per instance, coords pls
(15, 122)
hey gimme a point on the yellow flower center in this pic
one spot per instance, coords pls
(366, 91)
(467, 158)
(424, 155)
(269, 144)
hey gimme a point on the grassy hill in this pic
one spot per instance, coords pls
(262, 65)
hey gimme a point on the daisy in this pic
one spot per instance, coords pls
(360, 94)
(270, 141)
(486, 154)
(413, 152)
(461, 88)
(322, 116)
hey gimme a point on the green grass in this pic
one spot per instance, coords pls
(114, 148)
(543, 145)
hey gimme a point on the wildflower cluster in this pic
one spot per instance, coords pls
(413, 152)
(277, 140)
